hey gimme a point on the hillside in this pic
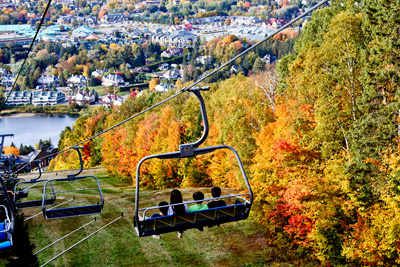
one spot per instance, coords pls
(242, 243)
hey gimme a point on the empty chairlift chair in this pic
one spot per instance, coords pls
(68, 187)
(215, 216)
(29, 194)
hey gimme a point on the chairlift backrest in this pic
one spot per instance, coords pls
(190, 150)
(75, 210)
(26, 188)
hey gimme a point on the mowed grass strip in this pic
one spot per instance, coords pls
(234, 244)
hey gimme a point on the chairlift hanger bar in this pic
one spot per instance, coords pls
(200, 80)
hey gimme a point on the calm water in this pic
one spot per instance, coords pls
(29, 128)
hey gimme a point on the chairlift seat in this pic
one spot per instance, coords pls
(195, 219)
(5, 245)
(34, 203)
(72, 212)
(22, 194)
(3, 235)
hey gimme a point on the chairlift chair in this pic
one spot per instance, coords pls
(75, 210)
(33, 187)
(6, 226)
(210, 217)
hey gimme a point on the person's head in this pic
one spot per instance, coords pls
(198, 196)
(176, 196)
(163, 207)
(216, 191)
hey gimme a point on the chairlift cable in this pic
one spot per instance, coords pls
(200, 80)
(58, 240)
(71, 247)
(27, 55)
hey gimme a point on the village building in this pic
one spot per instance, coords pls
(8, 80)
(77, 80)
(19, 98)
(47, 98)
(48, 81)
(172, 74)
(111, 99)
(85, 98)
(112, 80)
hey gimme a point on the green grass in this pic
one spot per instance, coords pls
(242, 243)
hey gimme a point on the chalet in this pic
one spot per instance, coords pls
(65, 19)
(173, 52)
(268, 59)
(97, 73)
(172, 74)
(112, 18)
(8, 80)
(142, 70)
(48, 98)
(111, 99)
(163, 87)
(84, 98)
(274, 24)
(48, 81)
(204, 60)
(43, 155)
(174, 28)
(91, 20)
(244, 20)
(18, 98)
(77, 81)
(112, 80)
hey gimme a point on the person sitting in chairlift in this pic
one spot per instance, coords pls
(198, 205)
(163, 209)
(216, 192)
(176, 197)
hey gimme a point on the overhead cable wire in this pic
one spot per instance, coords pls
(27, 55)
(58, 240)
(201, 79)
(71, 247)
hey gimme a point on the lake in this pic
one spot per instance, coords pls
(29, 128)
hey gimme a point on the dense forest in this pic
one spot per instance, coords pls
(319, 139)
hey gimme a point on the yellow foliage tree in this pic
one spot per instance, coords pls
(11, 150)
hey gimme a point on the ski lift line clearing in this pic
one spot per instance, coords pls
(76, 210)
(214, 216)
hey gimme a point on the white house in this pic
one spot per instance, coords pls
(8, 80)
(109, 99)
(97, 73)
(83, 98)
(48, 81)
(173, 52)
(112, 80)
(172, 74)
(77, 80)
